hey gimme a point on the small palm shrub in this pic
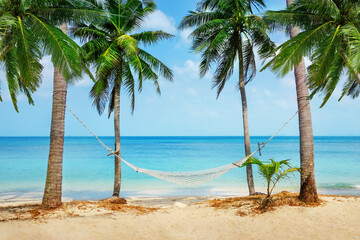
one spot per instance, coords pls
(273, 172)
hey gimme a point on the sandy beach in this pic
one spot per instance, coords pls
(179, 120)
(184, 218)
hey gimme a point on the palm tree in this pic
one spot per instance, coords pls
(330, 38)
(27, 32)
(273, 172)
(115, 50)
(226, 31)
(59, 12)
(308, 191)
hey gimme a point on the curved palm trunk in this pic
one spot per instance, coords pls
(53, 186)
(117, 178)
(249, 172)
(308, 192)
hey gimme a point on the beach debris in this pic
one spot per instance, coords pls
(253, 204)
(115, 200)
(71, 209)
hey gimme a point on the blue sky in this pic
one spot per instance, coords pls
(188, 106)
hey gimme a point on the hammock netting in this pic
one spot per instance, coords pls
(190, 178)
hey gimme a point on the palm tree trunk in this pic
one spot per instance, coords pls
(249, 172)
(308, 191)
(117, 178)
(53, 186)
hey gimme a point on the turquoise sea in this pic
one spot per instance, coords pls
(88, 172)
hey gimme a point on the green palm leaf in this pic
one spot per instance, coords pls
(63, 50)
(330, 37)
(28, 54)
(292, 52)
(28, 32)
(12, 75)
(151, 37)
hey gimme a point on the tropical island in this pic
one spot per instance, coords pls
(202, 160)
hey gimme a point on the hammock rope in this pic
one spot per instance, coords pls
(187, 178)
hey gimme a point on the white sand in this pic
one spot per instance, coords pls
(180, 218)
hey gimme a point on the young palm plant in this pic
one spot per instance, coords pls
(273, 172)
(331, 39)
(226, 31)
(115, 49)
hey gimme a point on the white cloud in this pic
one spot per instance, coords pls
(190, 69)
(184, 35)
(159, 21)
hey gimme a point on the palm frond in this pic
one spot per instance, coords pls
(225, 67)
(352, 35)
(129, 84)
(12, 75)
(93, 49)
(281, 20)
(196, 18)
(106, 62)
(28, 55)
(135, 13)
(210, 26)
(99, 93)
(130, 49)
(87, 32)
(151, 37)
(73, 12)
(212, 47)
(323, 58)
(351, 88)
(64, 52)
(155, 64)
(292, 51)
(249, 61)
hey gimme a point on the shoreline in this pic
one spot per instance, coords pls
(83, 195)
(95, 195)
(153, 199)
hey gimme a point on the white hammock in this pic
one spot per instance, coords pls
(187, 178)
(190, 178)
